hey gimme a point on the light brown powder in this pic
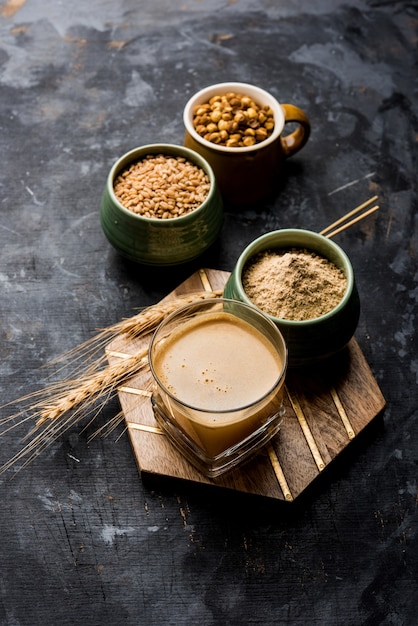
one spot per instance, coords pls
(293, 284)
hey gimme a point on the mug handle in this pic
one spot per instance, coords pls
(295, 141)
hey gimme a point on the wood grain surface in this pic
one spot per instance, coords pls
(326, 407)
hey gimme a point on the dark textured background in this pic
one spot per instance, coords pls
(83, 539)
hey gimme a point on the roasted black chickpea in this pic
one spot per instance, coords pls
(233, 120)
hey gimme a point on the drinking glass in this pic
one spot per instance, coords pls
(219, 369)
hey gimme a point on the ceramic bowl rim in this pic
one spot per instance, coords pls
(258, 93)
(261, 243)
(157, 148)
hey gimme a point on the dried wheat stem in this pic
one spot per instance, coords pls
(148, 319)
(134, 327)
(87, 390)
(61, 404)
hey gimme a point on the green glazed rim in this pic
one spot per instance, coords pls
(297, 238)
(160, 148)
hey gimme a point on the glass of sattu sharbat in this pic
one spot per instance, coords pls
(219, 369)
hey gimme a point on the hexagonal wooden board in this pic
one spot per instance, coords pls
(327, 407)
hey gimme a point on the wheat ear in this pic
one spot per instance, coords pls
(62, 404)
(89, 356)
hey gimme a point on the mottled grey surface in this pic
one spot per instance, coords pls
(83, 539)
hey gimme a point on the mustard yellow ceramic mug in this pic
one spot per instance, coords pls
(249, 173)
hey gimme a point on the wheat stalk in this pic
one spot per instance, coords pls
(61, 404)
(135, 327)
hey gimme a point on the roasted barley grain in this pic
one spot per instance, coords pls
(162, 186)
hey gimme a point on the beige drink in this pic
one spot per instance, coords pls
(223, 376)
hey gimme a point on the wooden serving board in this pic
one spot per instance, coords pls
(327, 407)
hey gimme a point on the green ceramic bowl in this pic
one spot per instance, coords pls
(154, 241)
(315, 339)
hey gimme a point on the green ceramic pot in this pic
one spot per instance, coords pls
(153, 241)
(316, 339)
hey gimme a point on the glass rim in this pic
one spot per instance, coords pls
(220, 300)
